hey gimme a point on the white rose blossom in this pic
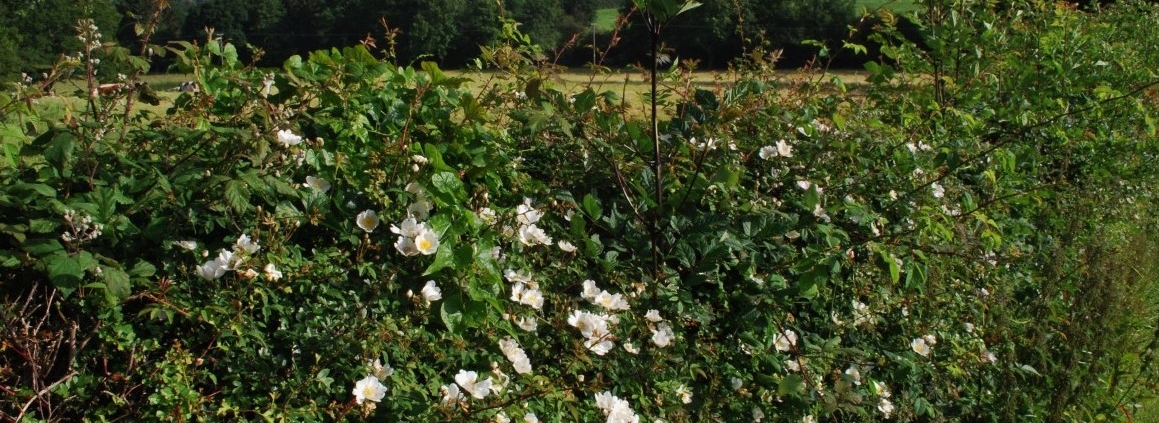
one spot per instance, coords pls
(288, 138)
(431, 292)
(367, 220)
(370, 389)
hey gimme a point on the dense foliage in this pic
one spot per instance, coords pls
(969, 236)
(720, 31)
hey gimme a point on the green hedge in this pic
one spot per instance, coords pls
(969, 236)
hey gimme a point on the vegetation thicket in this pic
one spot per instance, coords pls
(446, 31)
(968, 237)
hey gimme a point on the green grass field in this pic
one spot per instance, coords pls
(899, 6)
(606, 19)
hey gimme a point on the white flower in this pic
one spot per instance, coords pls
(431, 292)
(369, 389)
(517, 276)
(487, 215)
(367, 220)
(527, 323)
(881, 389)
(653, 316)
(919, 346)
(600, 346)
(420, 209)
(590, 290)
(785, 340)
(930, 339)
(470, 383)
(502, 418)
(939, 191)
(411, 228)
(784, 149)
(854, 373)
(616, 409)
(244, 243)
(532, 235)
(684, 393)
(451, 394)
(227, 260)
(990, 357)
(631, 348)
(610, 301)
(793, 365)
(525, 214)
(318, 183)
(427, 242)
(188, 245)
(272, 273)
(406, 246)
(211, 270)
(662, 336)
(530, 418)
(861, 314)
(767, 152)
(381, 371)
(527, 296)
(709, 144)
(288, 139)
(518, 357)
(885, 407)
(567, 247)
(758, 415)
(809, 419)
(589, 324)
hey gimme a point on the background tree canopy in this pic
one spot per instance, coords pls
(447, 31)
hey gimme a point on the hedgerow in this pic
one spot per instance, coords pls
(968, 236)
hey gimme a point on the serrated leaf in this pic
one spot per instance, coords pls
(43, 226)
(591, 207)
(8, 260)
(117, 282)
(790, 384)
(64, 272)
(43, 247)
(237, 196)
(143, 269)
(24, 188)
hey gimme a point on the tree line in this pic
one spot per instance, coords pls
(33, 33)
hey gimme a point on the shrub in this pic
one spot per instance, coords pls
(345, 238)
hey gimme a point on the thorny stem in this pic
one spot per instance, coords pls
(654, 30)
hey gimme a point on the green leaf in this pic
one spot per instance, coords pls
(24, 188)
(43, 247)
(451, 312)
(591, 207)
(117, 282)
(143, 269)
(59, 152)
(237, 196)
(790, 384)
(447, 188)
(64, 272)
(43, 226)
(7, 259)
(444, 258)
(324, 378)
